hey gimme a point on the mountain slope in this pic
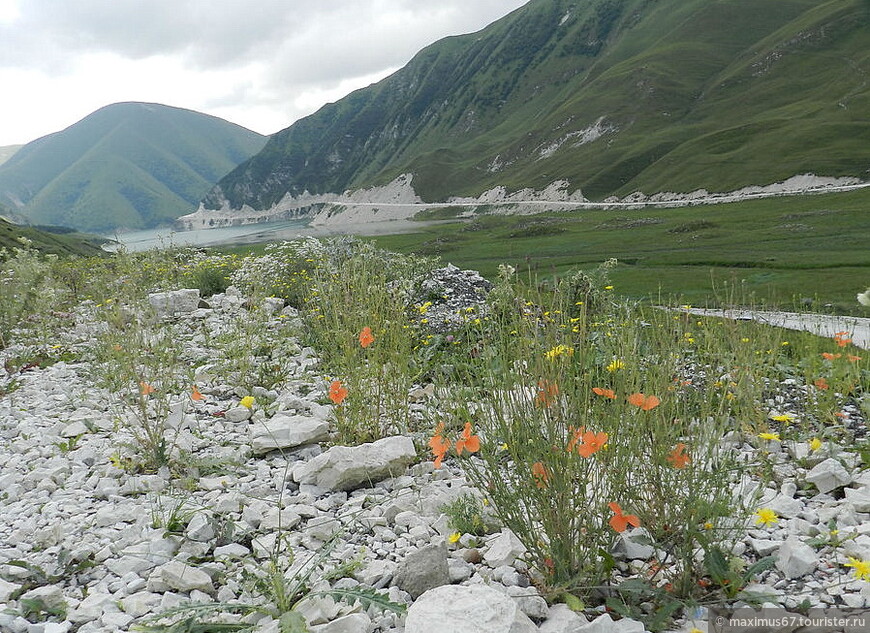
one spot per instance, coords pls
(612, 96)
(128, 165)
(7, 151)
(55, 240)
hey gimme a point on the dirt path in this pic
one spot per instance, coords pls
(820, 324)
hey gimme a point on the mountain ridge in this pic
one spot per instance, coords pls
(612, 97)
(126, 165)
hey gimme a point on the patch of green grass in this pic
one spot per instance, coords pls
(776, 250)
(54, 240)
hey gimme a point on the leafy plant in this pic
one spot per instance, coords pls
(729, 574)
(467, 515)
(282, 590)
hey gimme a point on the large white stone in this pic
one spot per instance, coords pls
(287, 431)
(423, 569)
(795, 558)
(561, 619)
(174, 302)
(829, 475)
(50, 595)
(7, 589)
(605, 624)
(859, 498)
(504, 549)
(237, 414)
(347, 468)
(473, 609)
(184, 578)
(200, 528)
(140, 603)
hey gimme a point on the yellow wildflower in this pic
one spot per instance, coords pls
(247, 401)
(815, 444)
(766, 516)
(615, 365)
(559, 350)
(454, 538)
(861, 568)
(785, 417)
(769, 436)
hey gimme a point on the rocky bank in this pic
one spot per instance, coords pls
(86, 546)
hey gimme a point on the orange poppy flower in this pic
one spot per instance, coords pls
(592, 443)
(678, 457)
(829, 356)
(547, 392)
(607, 393)
(620, 521)
(195, 394)
(439, 445)
(467, 441)
(842, 414)
(840, 338)
(366, 337)
(145, 388)
(821, 383)
(853, 359)
(540, 474)
(644, 402)
(337, 393)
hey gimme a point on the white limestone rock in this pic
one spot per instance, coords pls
(472, 609)
(605, 624)
(200, 528)
(140, 603)
(50, 595)
(423, 569)
(561, 619)
(174, 302)
(286, 431)
(504, 549)
(184, 578)
(237, 414)
(634, 545)
(859, 498)
(829, 475)
(530, 601)
(795, 558)
(348, 468)
(7, 589)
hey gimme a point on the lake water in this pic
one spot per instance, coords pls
(254, 233)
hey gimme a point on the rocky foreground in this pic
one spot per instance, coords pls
(86, 546)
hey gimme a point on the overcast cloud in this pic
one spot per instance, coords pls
(259, 63)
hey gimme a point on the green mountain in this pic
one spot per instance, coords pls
(7, 151)
(612, 96)
(127, 165)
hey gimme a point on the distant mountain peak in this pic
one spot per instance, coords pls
(126, 165)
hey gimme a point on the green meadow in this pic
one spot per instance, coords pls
(776, 251)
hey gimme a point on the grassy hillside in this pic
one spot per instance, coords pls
(781, 249)
(612, 96)
(48, 240)
(128, 165)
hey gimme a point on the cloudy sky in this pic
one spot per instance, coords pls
(259, 63)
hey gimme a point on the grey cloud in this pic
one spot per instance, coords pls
(342, 38)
